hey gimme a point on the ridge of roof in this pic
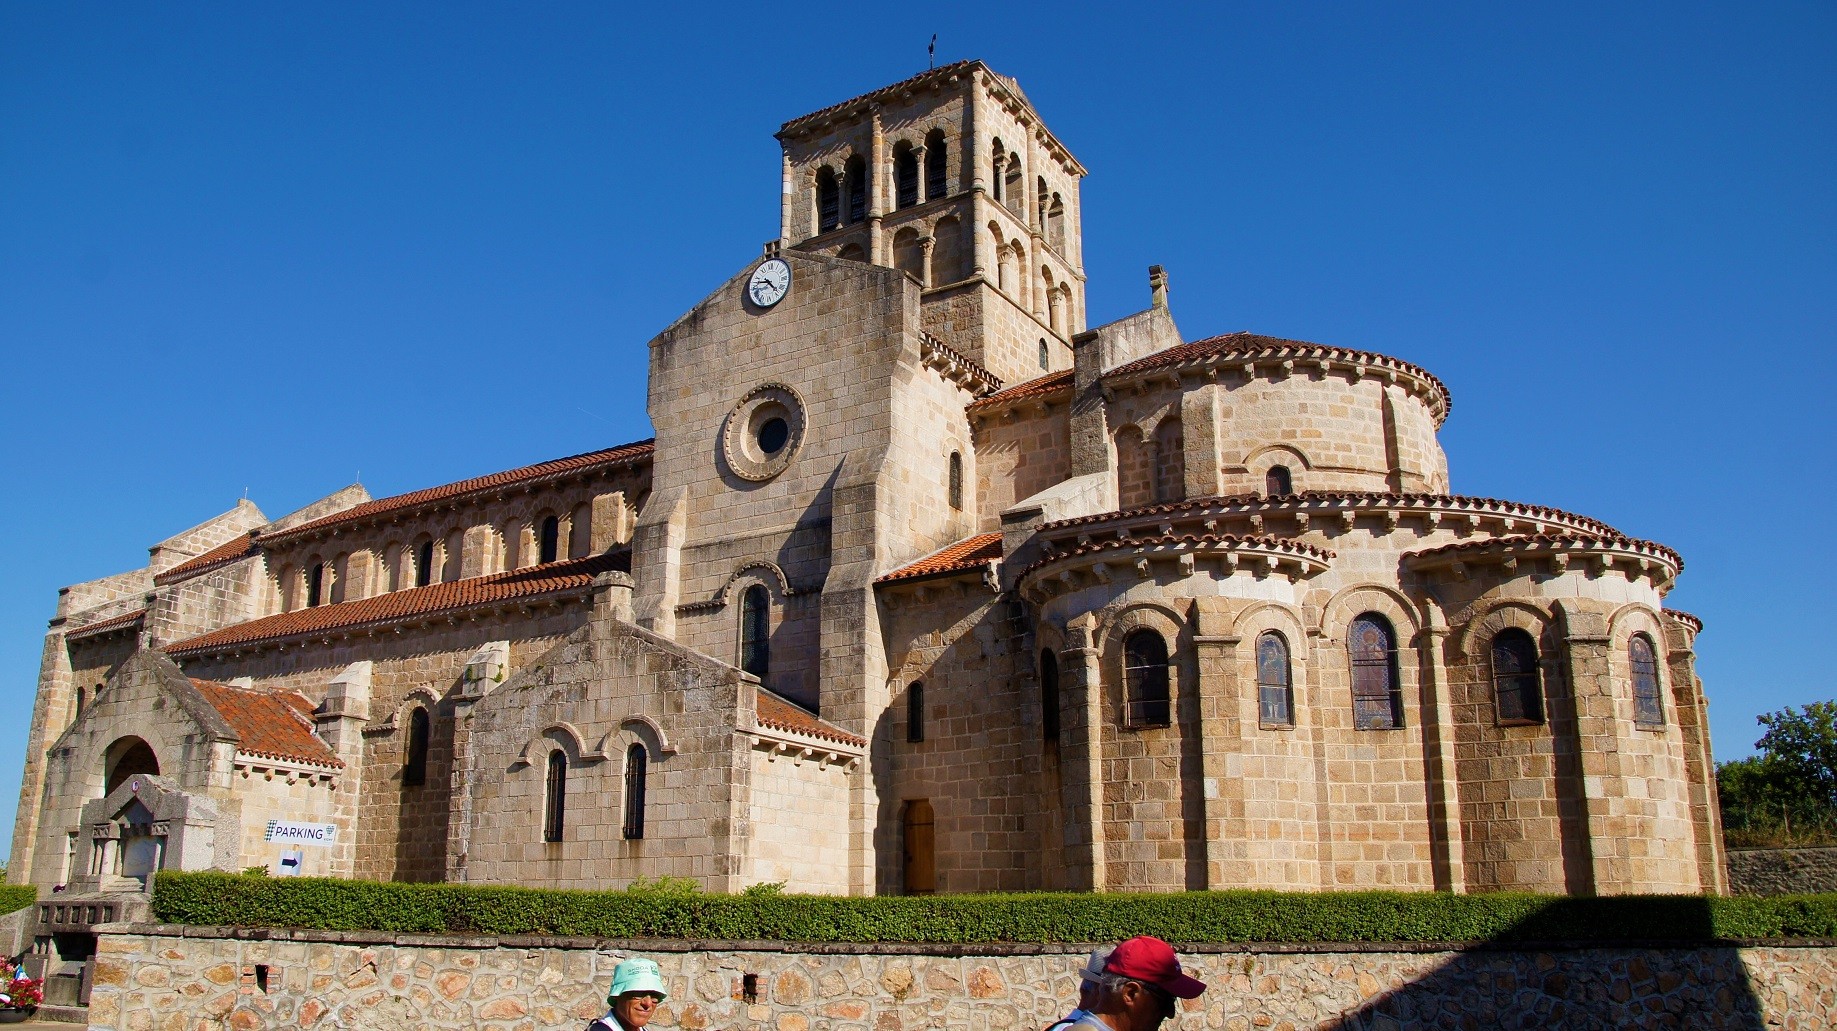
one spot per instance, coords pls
(907, 83)
(240, 546)
(969, 553)
(1244, 342)
(270, 724)
(552, 469)
(780, 713)
(1039, 386)
(531, 581)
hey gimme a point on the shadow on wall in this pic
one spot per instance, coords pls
(1505, 984)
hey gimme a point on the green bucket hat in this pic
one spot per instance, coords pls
(635, 975)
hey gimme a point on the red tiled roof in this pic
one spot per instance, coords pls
(103, 626)
(944, 71)
(1688, 619)
(1051, 383)
(624, 454)
(1555, 542)
(968, 553)
(572, 574)
(1188, 542)
(241, 546)
(1303, 501)
(274, 724)
(1244, 343)
(780, 714)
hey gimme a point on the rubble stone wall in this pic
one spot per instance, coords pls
(1782, 871)
(161, 977)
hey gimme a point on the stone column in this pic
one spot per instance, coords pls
(1221, 720)
(340, 722)
(1693, 722)
(876, 183)
(1447, 854)
(926, 243)
(1081, 758)
(1586, 645)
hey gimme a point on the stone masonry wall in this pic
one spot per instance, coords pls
(1782, 871)
(150, 977)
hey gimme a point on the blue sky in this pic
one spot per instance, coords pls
(272, 248)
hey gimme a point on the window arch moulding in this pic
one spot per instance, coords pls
(774, 578)
(561, 733)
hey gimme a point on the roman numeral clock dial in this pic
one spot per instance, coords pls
(770, 282)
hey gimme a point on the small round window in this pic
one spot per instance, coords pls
(772, 435)
(763, 431)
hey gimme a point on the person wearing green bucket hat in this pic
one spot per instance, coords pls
(637, 989)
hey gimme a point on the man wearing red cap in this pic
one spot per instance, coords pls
(1140, 983)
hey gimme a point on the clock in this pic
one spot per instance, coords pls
(770, 282)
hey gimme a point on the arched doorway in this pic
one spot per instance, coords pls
(128, 757)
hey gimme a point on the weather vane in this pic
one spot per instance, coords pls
(931, 52)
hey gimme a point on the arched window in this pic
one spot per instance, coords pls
(1648, 707)
(555, 798)
(905, 176)
(956, 480)
(1013, 192)
(1045, 198)
(1049, 696)
(548, 539)
(1045, 356)
(1377, 691)
(828, 201)
(1275, 689)
(915, 712)
(1516, 691)
(1277, 483)
(755, 631)
(79, 702)
(1145, 679)
(919, 871)
(1054, 223)
(424, 564)
(1000, 168)
(854, 181)
(414, 768)
(315, 584)
(936, 161)
(637, 767)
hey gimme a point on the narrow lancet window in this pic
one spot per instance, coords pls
(915, 712)
(637, 768)
(548, 539)
(1146, 680)
(1648, 707)
(1275, 690)
(555, 808)
(414, 765)
(1516, 691)
(755, 631)
(1377, 693)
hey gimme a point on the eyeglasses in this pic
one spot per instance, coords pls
(1162, 996)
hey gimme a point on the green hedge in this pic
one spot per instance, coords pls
(1225, 916)
(16, 896)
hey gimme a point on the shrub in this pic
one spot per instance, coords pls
(1194, 917)
(16, 896)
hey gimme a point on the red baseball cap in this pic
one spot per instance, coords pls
(1153, 961)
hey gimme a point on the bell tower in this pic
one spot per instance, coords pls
(952, 178)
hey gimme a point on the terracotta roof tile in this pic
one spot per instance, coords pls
(242, 546)
(1309, 500)
(1044, 386)
(1188, 542)
(1244, 343)
(1555, 542)
(104, 626)
(780, 714)
(968, 553)
(624, 454)
(1690, 620)
(572, 574)
(274, 724)
(941, 71)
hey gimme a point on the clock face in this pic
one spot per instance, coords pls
(770, 282)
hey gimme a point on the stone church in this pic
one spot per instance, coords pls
(923, 585)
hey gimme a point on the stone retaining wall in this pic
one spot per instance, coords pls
(163, 978)
(1782, 871)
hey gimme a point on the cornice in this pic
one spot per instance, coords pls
(1104, 559)
(1561, 552)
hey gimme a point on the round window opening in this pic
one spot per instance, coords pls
(773, 433)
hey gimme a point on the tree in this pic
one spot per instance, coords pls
(1788, 793)
(1804, 744)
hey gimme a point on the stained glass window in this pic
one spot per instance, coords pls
(1516, 690)
(1377, 692)
(1275, 693)
(1145, 675)
(1648, 707)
